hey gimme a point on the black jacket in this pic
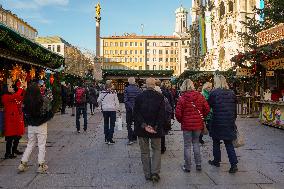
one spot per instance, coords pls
(223, 104)
(149, 109)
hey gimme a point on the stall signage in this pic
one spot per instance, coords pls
(274, 64)
(270, 35)
(269, 73)
(244, 72)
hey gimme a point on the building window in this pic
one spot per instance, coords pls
(167, 51)
(154, 59)
(116, 44)
(140, 67)
(171, 59)
(125, 52)
(131, 51)
(116, 52)
(141, 51)
(222, 10)
(126, 60)
(121, 44)
(136, 44)
(148, 51)
(131, 43)
(160, 59)
(130, 59)
(49, 47)
(154, 44)
(148, 59)
(147, 67)
(121, 52)
(160, 51)
(136, 60)
(110, 44)
(154, 67)
(154, 51)
(58, 48)
(231, 6)
(141, 60)
(172, 51)
(176, 44)
(172, 44)
(136, 52)
(110, 52)
(126, 44)
(167, 59)
(160, 67)
(148, 44)
(141, 44)
(185, 50)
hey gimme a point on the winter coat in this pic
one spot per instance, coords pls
(93, 95)
(187, 113)
(167, 93)
(13, 114)
(206, 93)
(130, 93)
(223, 104)
(169, 112)
(45, 113)
(108, 101)
(149, 109)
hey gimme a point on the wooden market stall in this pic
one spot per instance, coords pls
(268, 67)
(120, 77)
(22, 58)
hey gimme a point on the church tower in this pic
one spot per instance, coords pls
(181, 21)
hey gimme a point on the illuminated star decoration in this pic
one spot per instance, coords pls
(32, 73)
(16, 72)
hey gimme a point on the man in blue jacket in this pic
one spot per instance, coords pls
(130, 93)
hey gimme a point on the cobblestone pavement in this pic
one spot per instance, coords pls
(85, 161)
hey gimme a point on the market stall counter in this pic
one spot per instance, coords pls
(272, 113)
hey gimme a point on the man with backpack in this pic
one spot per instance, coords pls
(81, 106)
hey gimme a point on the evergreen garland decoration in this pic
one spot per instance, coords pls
(128, 73)
(16, 43)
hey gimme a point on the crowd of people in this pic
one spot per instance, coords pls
(149, 115)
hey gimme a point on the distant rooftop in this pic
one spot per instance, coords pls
(51, 39)
(133, 36)
(8, 11)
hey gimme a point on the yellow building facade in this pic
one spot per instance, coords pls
(124, 52)
(17, 24)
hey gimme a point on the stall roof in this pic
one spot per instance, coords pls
(15, 46)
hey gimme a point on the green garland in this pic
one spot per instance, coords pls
(23, 46)
(128, 73)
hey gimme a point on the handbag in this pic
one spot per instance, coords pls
(239, 141)
(118, 123)
(204, 131)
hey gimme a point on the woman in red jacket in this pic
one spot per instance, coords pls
(14, 126)
(191, 109)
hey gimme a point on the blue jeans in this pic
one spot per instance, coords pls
(109, 123)
(191, 137)
(230, 151)
(79, 111)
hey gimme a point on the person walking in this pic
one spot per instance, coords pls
(110, 105)
(63, 97)
(81, 106)
(165, 87)
(130, 93)
(38, 111)
(222, 100)
(14, 126)
(191, 108)
(93, 96)
(149, 121)
(207, 87)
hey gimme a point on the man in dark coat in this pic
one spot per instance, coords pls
(222, 100)
(130, 93)
(149, 121)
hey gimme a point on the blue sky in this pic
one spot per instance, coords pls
(74, 21)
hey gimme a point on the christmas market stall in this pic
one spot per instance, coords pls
(267, 65)
(120, 77)
(23, 59)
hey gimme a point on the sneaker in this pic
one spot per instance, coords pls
(185, 170)
(155, 177)
(85, 130)
(111, 141)
(106, 141)
(233, 169)
(78, 131)
(42, 168)
(212, 162)
(198, 168)
(23, 167)
(130, 142)
(9, 156)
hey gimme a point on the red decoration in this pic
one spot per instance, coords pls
(253, 52)
(51, 79)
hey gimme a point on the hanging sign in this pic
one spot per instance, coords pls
(270, 35)
(274, 64)
(269, 73)
(244, 72)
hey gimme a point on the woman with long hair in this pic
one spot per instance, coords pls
(37, 109)
(191, 108)
(222, 100)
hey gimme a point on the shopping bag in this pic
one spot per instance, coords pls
(239, 141)
(118, 123)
